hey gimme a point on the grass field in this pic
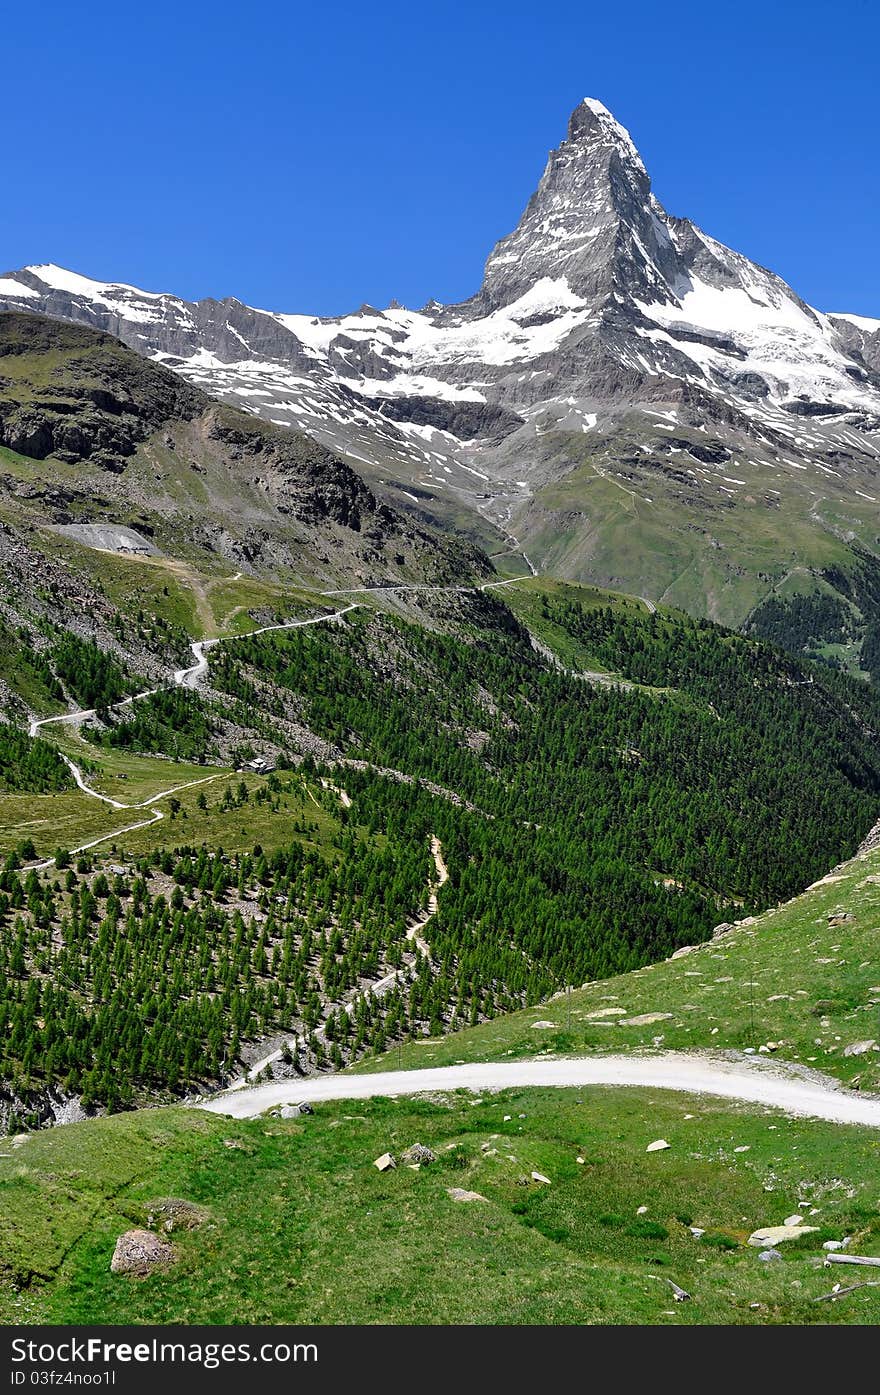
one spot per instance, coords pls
(54, 821)
(300, 1227)
(72, 819)
(239, 829)
(121, 774)
(232, 600)
(646, 537)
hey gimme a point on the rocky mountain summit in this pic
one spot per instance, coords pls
(625, 398)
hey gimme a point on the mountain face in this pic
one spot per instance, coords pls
(626, 399)
(102, 449)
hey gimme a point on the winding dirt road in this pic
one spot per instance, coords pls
(745, 1081)
(189, 677)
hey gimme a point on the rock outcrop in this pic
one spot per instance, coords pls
(141, 1252)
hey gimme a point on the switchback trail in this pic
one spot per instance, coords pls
(382, 985)
(182, 678)
(414, 933)
(190, 677)
(746, 1082)
(147, 804)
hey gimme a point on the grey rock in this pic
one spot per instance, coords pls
(769, 1256)
(140, 1252)
(723, 929)
(776, 1234)
(173, 1213)
(419, 1153)
(643, 1019)
(69, 1111)
(293, 1111)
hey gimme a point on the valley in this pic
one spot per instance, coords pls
(440, 790)
(629, 704)
(603, 1238)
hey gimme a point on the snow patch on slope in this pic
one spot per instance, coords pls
(129, 302)
(533, 325)
(60, 279)
(17, 288)
(789, 344)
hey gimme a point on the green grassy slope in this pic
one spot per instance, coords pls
(625, 515)
(300, 1227)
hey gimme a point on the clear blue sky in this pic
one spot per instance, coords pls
(311, 156)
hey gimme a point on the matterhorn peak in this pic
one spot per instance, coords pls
(591, 208)
(592, 123)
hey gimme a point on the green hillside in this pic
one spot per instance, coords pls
(625, 513)
(599, 1241)
(280, 1201)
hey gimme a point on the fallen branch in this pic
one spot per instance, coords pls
(853, 1259)
(838, 1292)
(680, 1295)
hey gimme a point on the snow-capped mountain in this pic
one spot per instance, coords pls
(618, 366)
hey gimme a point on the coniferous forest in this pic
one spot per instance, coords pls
(590, 825)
